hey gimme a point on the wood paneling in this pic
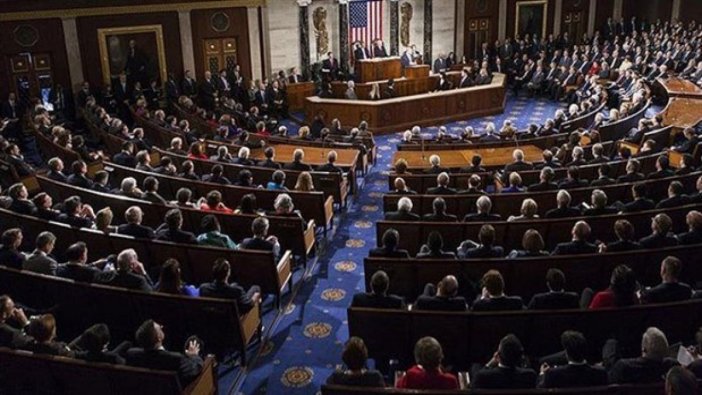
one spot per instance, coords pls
(603, 10)
(476, 11)
(50, 42)
(23, 5)
(578, 13)
(512, 15)
(88, 39)
(654, 9)
(691, 10)
(238, 28)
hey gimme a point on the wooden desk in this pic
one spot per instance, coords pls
(404, 86)
(417, 71)
(378, 69)
(297, 94)
(314, 156)
(682, 113)
(678, 87)
(396, 114)
(492, 157)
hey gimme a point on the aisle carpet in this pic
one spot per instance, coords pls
(305, 345)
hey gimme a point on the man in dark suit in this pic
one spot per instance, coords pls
(404, 211)
(676, 196)
(133, 227)
(483, 206)
(573, 179)
(663, 169)
(389, 91)
(207, 92)
(56, 170)
(14, 157)
(670, 289)
(330, 66)
(545, 183)
(598, 201)
(171, 230)
(503, 371)
(650, 367)
(361, 52)
(40, 261)
(694, 233)
(13, 322)
(378, 297)
(173, 91)
(579, 244)
(77, 268)
(20, 202)
(518, 164)
(130, 273)
(10, 254)
(188, 86)
(297, 164)
(556, 297)
(152, 354)
(330, 165)
(379, 50)
(441, 297)
(640, 202)
(486, 249)
(441, 187)
(438, 213)
(123, 95)
(260, 240)
(690, 142)
(126, 156)
(391, 238)
(434, 248)
(440, 64)
(660, 237)
(603, 178)
(625, 238)
(222, 288)
(577, 372)
(78, 176)
(493, 297)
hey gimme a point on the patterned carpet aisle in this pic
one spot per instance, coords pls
(306, 344)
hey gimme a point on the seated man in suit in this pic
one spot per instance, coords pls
(260, 240)
(486, 249)
(650, 367)
(579, 244)
(441, 188)
(598, 199)
(330, 166)
(670, 289)
(689, 144)
(297, 164)
(130, 273)
(428, 373)
(92, 346)
(391, 238)
(77, 214)
(19, 200)
(133, 227)
(171, 230)
(503, 371)
(545, 183)
(676, 196)
(56, 170)
(556, 297)
(434, 249)
(519, 164)
(435, 161)
(441, 297)
(151, 191)
(404, 211)
(475, 164)
(660, 236)
(401, 188)
(573, 179)
(378, 297)
(43, 330)
(483, 206)
(493, 297)
(640, 202)
(603, 176)
(625, 238)
(126, 156)
(563, 210)
(663, 169)
(577, 372)
(439, 211)
(77, 267)
(222, 288)
(10, 255)
(152, 354)
(13, 324)
(14, 157)
(78, 175)
(633, 174)
(216, 176)
(694, 233)
(40, 261)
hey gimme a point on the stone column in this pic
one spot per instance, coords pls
(344, 36)
(675, 15)
(394, 28)
(591, 18)
(75, 62)
(304, 37)
(186, 40)
(255, 44)
(502, 25)
(558, 13)
(428, 19)
(459, 38)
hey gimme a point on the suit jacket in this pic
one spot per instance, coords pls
(440, 217)
(231, 291)
(26, 207)
(439, 303)
(674, 201)
(136, 230)
(656, 240)
(328, 167)
(481, 217)
(79, 273)
(542, 186)
(562, 212)
(124, 159)
(377, 301)
(639, 370)
(574, 248)
(80, 180)
(691, 237)
(39, 262)
(504, 378)
(57, 176)
(188, 368)
(382, 252)
(441, 190)
(379, 52)
(623, 245)
(554, 301)
(667, 292)
(517, 166)
(503, 303)
(401, 216)
(12, 337)
(124, 279)
(637, 205)
(298, 166)
(176, 236)
(573, 375)
(253, 243)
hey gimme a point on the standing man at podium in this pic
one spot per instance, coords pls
(330, 66)
(440, 64)
(406, 58)
(379, 49)
(361, 52)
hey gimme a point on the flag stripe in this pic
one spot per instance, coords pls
(365, 21)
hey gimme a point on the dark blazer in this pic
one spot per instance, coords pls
(80, 180)
(328, 167)
(667, 292)
(440, 217)
(382, 252)
(231, 291)
(656, 240)
(562, 212)
(126, 280)
(691, 237)
(503, 303)
(253, 243)
(188, 368)
(575, 247)
(378, 301)
(401, 216)
(554, 301)
(504, 378)
(136, 230)
(11, 258)
(124, 159)
(299, 166)
(441, 190)
(440, 303)
(26, 207)
(641, 204)
(12, 337)
(542, 186)
(639, 370)
(57, 176)
(573, 376)
(39, 262)
(623, 245)
(482, 251)
(176, 236)
(79, 273)
(478, 217)
(674, 201)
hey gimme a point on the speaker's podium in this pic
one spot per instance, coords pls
(378, 69)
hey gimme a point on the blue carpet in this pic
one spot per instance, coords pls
(305, 345)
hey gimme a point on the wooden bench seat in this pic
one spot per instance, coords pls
(248, 267)
(527, 276)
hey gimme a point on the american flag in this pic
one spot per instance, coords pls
(365, 21)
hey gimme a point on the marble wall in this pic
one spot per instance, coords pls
(443, 27)
(283, 34)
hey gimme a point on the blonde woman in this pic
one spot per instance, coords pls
(303, 133)
(304, 182)
(375, 92)
(528, 211)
